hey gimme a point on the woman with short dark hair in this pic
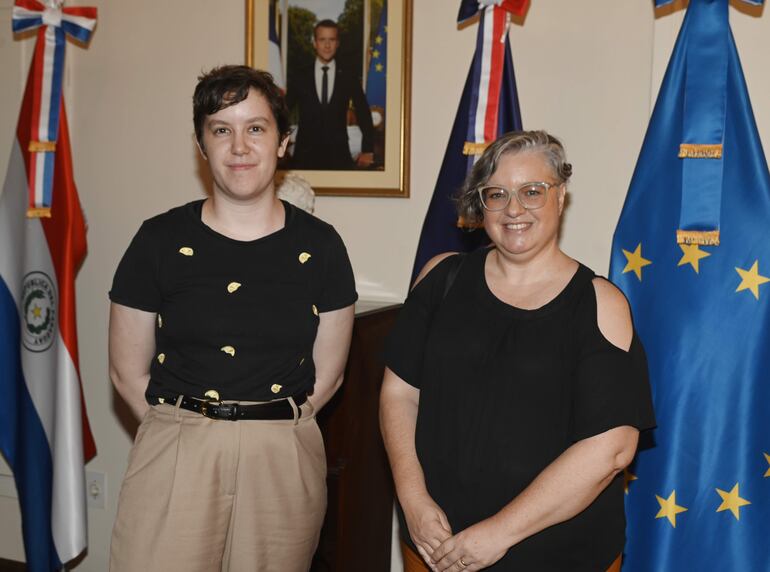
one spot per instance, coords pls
(515, 386)
(229, 329)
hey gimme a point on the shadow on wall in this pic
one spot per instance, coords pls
(125, 417)
(202, 171)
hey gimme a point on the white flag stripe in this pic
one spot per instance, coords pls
(39, 368)
(13, 208)
(276, 67)
(87, 23)
(47, 83)
(486, 70)
(39, 165)
(19, 12)
(68, 514)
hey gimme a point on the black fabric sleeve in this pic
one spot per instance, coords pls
(611, 386)
(405, 345)
(339, 285)
(136, 283)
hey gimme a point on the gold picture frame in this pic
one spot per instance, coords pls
(391, 179)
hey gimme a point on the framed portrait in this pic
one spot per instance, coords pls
(345, 66)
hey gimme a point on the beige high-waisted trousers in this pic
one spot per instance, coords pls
(212, 495)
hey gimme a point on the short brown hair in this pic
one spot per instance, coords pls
(326, 24)
(227, 85)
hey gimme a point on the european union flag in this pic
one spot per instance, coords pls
(692, 254)
(378, 64)
(489, 107)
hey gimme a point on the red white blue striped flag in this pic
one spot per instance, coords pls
(489, 107)
(44, 431)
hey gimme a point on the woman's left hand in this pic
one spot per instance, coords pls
(474, 548)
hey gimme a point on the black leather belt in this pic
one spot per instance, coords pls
(271, 410)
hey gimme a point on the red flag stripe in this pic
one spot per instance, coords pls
(496, 75)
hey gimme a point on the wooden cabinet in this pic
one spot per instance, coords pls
(356, 534)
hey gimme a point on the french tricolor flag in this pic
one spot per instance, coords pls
(44, 431)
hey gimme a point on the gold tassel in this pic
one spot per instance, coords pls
(702, 237)
(473, 148)
(39, 212)
(42, 146)
(463, 223)
(697, 151)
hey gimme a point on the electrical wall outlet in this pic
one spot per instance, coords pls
(96, 489)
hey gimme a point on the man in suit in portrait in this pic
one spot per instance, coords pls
(323, 92)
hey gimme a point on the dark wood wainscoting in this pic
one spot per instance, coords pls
(356, 534)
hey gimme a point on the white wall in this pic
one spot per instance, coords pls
(585, 71)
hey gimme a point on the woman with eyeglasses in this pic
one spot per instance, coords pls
(515, 386)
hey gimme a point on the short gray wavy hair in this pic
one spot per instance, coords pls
(467, 199)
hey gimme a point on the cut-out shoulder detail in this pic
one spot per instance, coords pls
(430, 265)
(613, 315)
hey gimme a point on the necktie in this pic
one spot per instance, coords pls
(325, 86)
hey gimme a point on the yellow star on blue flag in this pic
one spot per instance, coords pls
(635, 261)
(692, 255)
(751, 279)
(732, 501)
(669, 509)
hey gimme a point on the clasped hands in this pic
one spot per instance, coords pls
(474, 548)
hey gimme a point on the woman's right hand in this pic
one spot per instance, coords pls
(427, 523)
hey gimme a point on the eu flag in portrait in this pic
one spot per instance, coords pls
(378, 64)
(692, 253)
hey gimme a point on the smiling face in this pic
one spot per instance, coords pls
(326, 41)
(242, 146)
(518, 232)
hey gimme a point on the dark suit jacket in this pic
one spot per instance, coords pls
(322, 138)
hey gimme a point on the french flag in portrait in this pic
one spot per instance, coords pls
(44, 432)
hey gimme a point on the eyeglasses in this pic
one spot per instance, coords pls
(530, 195)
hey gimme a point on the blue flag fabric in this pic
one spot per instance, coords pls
(440, 232)
(378, 64)
(699, 491)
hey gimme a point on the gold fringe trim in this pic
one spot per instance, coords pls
(702, 237)
(473, 148)
(463, 223)
(698, 151)
(39, 212)
(42, 146)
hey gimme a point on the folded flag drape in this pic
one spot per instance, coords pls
(44, 431)
(691, 252)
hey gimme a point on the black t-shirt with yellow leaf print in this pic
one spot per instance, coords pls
(238, 317)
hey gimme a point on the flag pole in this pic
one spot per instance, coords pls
(250, 33)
